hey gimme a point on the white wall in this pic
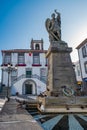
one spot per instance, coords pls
(82, 61)
(21, 70)
(28, 59)
(17, 87)
(14, 59)
(5, 78)
(77, 68)
(42, 59)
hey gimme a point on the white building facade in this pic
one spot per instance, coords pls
(78, 73)
(31, 73)
(82, 53)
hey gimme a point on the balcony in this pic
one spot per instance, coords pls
(20, 64)
(36, 65)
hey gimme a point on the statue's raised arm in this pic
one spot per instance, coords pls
(53, 27)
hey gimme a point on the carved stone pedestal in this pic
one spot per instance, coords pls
(60, 68)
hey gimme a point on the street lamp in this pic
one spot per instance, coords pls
(8, 69)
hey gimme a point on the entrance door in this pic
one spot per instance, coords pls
(28, 88)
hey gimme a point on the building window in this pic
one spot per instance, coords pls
(85, 65)
(21, 59)
(46, 62)
(84, 51)
(43, 73)
(28, 72)
(36, 58)
(37, 47)
(7, 58)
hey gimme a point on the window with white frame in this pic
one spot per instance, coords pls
(84, 53)
(43, 73)
(7, 58)
(21, 59)
(28, 72)
(85, 65)
(36, 58)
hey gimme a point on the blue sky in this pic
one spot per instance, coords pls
(22, 20)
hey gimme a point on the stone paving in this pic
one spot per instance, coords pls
(2, 102)
(57, 121)
(13, 117)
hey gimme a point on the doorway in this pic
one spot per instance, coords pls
(28, 88)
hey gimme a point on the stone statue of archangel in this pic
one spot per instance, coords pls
(53, 26)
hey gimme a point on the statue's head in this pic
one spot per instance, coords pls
(53, 15)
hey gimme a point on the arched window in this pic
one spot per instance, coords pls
(37, 47)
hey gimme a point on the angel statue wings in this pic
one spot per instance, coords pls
(53, 26)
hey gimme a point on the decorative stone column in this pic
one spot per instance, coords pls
(60, 68)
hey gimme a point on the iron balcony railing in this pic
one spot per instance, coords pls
(29, 76)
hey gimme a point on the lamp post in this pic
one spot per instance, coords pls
(8, 69)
